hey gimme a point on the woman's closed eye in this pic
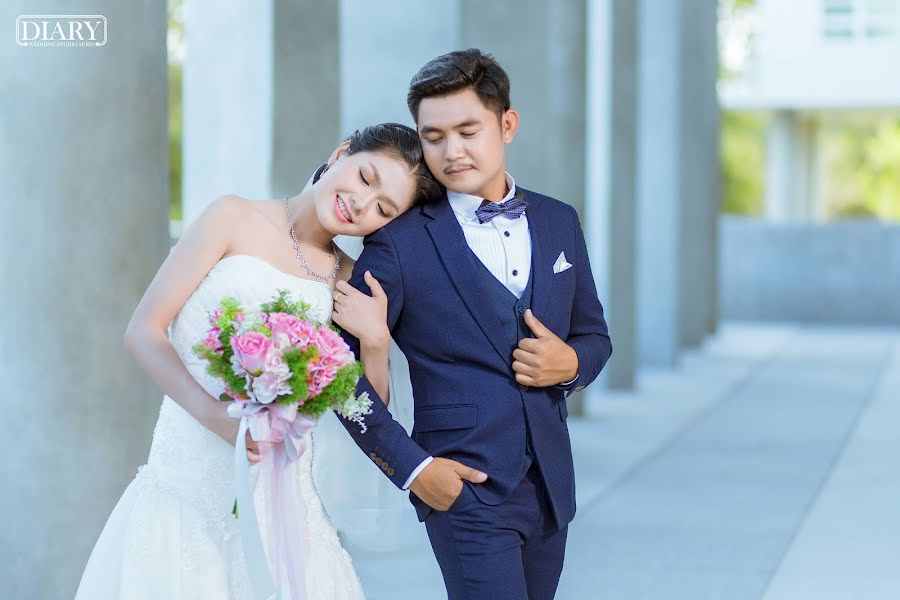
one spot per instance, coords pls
(363, 178)
(381, 211)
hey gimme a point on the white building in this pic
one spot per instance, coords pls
(807, 57)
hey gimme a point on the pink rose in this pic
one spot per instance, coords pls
(296, 330)
(320, 375)
(251, 349)
(333, 350)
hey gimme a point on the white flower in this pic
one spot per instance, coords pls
(274, 380)
(236, 366)
(281, 340)
(355, 408)
(250, 321)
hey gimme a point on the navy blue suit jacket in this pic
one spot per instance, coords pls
(468, 405)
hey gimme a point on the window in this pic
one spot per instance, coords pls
(838, 19)
(881, 19)
(869, 19)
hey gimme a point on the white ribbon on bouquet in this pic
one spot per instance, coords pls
(279, 429)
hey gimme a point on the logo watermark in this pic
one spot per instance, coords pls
(61, 30)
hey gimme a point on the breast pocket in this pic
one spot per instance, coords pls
(564, 283)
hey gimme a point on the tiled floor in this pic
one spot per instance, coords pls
(767, 466)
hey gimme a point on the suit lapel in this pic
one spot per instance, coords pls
(458, 260)
(541, 262)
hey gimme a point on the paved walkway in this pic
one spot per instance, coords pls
(767, 466)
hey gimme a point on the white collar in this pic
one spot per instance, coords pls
(465, 205)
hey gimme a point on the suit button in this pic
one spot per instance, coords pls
(390, 472)
(579, 388)
(523, 387)
(521, 310)
(372, 455)
(378, 461)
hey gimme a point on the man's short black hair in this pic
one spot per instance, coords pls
(457, 71)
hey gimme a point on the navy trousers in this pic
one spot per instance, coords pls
(510, 551)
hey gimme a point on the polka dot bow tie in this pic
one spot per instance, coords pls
(511, 209)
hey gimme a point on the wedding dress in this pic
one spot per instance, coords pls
(172, 534)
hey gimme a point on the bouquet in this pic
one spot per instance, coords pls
(281, 371)
(278, 358)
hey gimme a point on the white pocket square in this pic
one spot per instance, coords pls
(561, 265)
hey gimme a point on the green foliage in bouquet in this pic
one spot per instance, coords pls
(343, 387)
(297, 360)
(220, 365)
(281, 303)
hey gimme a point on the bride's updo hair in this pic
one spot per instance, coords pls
(401, 142)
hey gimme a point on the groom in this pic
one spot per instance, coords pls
(491, 299)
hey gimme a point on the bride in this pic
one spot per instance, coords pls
(172, 534)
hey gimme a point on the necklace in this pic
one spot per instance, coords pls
(309, 269)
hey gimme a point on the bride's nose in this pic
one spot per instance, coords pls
(360, 203)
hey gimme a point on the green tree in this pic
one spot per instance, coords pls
(176, 45)
(861, 168)
(743, 162)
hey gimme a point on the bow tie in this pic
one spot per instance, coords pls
(511, 209)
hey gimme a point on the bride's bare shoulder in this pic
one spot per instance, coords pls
(244, 212)
(225, 209)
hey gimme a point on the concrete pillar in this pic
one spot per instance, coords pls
(377, 64)
(791, 168)
(700, 178)
(661, 137)
(83, 228)
(610, 181)
(258, 116)
(541, 44)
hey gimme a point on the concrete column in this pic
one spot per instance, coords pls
(661, 136)
(377, 64)
(541, 44)
(83, 228)
(258, 116)
(610, 181)
(700, 177)
(791, 168)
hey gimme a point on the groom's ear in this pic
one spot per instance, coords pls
(509, 124)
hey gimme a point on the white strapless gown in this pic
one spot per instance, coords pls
(172, 535)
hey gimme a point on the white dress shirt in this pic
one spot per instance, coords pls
(502, 245)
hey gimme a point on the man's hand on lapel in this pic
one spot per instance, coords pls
(544, 360)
